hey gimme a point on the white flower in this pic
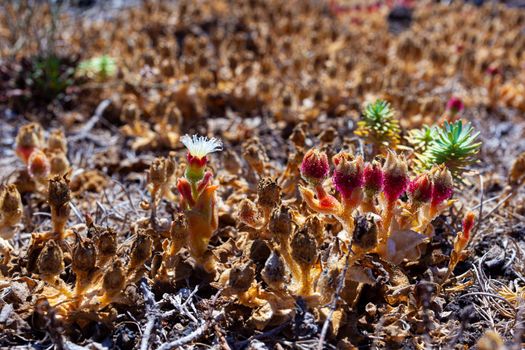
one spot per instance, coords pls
(200, 146)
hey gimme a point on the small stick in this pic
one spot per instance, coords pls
(151, 312)
(197, 333)
(82, 134)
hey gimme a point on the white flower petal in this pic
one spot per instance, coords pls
(200, 146)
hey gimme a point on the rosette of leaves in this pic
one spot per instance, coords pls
(420, 139)
(454, 145)
(379, 126)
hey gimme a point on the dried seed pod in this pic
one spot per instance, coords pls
(59, 193)
(365, 232)
(51, 259)
(314, 225)
(140, 250)
(161, 170)
(58, 197)
(304, 247)
(255, 155)
(281, 222)
(328, 135)
(248, 213)
(106, 242)
(84, 255)
(179, 228)
(274, 271)
(57, 141)
(59, 163)
(114, 278)
(298, 136)
(241, 277)
(268, 193)
(29, 138)
(10, 205)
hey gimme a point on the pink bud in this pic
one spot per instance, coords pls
(395, 177)
(315, 167)
(348, 173)
(420, 189)
(455, 105)
(372, 178)
(443, 185)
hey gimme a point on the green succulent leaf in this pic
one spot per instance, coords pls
(454, 145)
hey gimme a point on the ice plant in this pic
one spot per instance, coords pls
(348, 179)
(395, 182)
(372, 185)
(442, 189)
(420, 190)
(315, 167)
(379, 126)
(198, 194)
(315, 170)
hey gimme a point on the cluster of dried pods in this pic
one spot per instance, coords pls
(295, 240)
(296, 62)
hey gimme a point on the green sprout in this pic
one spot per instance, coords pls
(454, 145)
(101, 67)
(379, 126)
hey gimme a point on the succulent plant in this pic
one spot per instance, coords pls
(420, 139)
(454, 145)
(379, 126)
